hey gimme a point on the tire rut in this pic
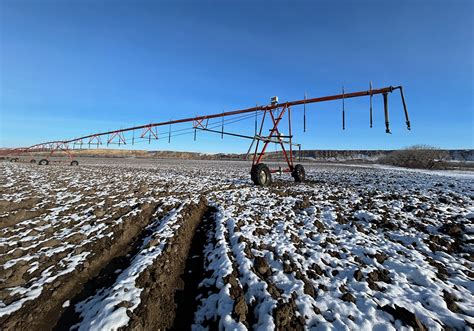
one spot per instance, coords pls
(186, 298)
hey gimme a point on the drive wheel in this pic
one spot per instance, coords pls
(43, 162)
(261, 175)
(298, 173)
(74, 163)
(33, 161)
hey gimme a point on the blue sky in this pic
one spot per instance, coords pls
(69, 68)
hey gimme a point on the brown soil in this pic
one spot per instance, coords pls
(49, 304)
(171, 285)
(185, 297)
(161, 280)
(106, 277)
(405, 316)
(18, 216)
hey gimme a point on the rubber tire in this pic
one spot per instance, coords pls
(298, 173)
(33, 161)
(43, 162)
(74, 163)
(13, 160)
(252, 173)
(261, 175)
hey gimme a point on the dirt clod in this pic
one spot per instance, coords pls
(358, 275)
(261, 265)
(453, 229)
(451, 302)
(405, 316)
(240, 308)
(286, 316)
(348, 297)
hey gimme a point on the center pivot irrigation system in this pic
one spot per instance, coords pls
(274, 112)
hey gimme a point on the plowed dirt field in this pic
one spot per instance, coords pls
(161, 244)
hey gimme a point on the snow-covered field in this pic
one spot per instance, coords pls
(102, 246)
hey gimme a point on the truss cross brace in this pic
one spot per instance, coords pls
(275, 136)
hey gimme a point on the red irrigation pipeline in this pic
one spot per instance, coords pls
(200, 119)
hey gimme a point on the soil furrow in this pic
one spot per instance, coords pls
(106, 277)
(186, 298)
(162, 279)
(49, 304)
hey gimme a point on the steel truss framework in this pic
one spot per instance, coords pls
(273, 112)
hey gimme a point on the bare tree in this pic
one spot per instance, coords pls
(418, 156)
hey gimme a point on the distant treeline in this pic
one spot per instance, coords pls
(464, 155)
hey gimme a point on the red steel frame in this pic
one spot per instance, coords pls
(61, 146)
(276, 112)
(51, 147)
(119, 135)
(151, 130)
(92, 138)
(274, 132)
